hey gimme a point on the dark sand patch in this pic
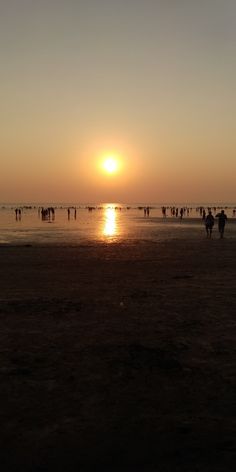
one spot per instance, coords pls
(118, 357)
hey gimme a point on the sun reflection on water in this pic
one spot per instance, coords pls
(110, 223)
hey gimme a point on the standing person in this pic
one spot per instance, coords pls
(221, 222)
(209, 223)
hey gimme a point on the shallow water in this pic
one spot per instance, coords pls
(106, 224)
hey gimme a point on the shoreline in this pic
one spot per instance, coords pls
(127, 231)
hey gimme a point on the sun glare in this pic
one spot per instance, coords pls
(110, 165)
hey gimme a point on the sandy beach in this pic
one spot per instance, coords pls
(118, 357)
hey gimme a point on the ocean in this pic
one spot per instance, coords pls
(104, 223)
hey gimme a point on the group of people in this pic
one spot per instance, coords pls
(146, 211)
(18, 214)
(210, 221)
(47, 213)
(69, 212)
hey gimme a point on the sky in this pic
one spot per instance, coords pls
(151, 82)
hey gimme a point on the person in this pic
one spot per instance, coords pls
(209, 223)
(221, 222)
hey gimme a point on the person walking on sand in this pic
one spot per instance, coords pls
(209, 223)
(221, 222)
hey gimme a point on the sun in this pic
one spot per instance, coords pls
(110, 165)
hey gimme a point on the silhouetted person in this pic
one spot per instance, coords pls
(221, 222)
(163, 209)
(209, 223)
(75, 214)
(68, 213)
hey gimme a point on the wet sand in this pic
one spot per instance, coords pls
(118, 357)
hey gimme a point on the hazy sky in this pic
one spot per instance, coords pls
(151, 80)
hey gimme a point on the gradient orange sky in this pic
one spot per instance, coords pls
(151, 81)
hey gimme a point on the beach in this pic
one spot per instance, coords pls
(118, 236)
(118, 356)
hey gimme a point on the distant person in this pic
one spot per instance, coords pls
(203, 214)
(209, 223)
(68, 213)
(75, 214)
(221, 222)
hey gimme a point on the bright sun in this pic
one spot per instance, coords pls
(110, 165)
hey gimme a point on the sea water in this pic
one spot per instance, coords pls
(105, 223)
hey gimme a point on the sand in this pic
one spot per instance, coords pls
(118, 357)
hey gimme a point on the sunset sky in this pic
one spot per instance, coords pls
(149, 82)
